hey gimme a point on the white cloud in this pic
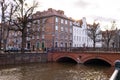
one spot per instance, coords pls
(102, 10)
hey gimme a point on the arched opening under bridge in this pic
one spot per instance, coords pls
(97, 62)
(66, 60)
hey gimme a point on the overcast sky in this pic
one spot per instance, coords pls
(100, 10)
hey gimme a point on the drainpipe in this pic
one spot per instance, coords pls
(116, 73)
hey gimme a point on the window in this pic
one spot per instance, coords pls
(56, 35)
(70, 30)
(43, 45)
(74, 38)
(15, 34)
(43, 29)
(79, 38)
(56, 44)
(19, 40)
(43, 20)
(43, 36)
(70, 44)
(28, 39)
(56, 27)
(61, 28)
(28, 25)
(66, 37)
(10, 34)
(62, 36)
(70, 23)
(33, 29)
(70, 37)
(65, 21)
(62, 20)
(28, 45)
(38, 21)
(27, 30)
(66, 29)
(37, 37)
(37, 45)
(38, 28)
(61, 44)
(33, 37)
(56, 19)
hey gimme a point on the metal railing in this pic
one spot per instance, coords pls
(78, 49)
(116, 73)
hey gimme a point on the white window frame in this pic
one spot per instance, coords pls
(62, 20)
(62, 29)
(43, 37)
(56, 27)
(66, 21)
(33, 37)
(56, 19)
(38, 37)
(70, 23)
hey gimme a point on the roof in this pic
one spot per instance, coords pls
(50, 12)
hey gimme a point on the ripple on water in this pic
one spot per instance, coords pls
(55, 71)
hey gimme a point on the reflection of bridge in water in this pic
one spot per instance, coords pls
(85, 57)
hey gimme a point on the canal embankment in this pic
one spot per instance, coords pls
(19, 58)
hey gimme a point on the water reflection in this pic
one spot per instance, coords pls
(55, 71)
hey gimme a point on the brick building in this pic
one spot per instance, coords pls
(50, 29)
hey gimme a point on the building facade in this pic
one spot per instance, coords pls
(80, 36)
(48, 29)
(51, 29)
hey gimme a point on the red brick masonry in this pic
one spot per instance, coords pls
(81, 57)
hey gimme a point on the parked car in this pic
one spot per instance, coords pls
(13, 49)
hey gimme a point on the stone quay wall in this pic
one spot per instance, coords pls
(19, 58)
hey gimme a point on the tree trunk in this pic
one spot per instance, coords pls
(107, 46)
(94, 42)
(5, 38)
(23, 42)
(94, 46)
(1, 38)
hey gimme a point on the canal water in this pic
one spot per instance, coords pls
(55, 71)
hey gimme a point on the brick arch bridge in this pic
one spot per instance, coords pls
(82, 57)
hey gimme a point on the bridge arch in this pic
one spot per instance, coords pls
(66, 57)
(97, 58)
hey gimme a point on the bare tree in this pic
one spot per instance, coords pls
(4, 5)
(108, 35)
(23, 14)
(7, 11)
(93, 31)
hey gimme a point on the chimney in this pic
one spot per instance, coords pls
(50, 9)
